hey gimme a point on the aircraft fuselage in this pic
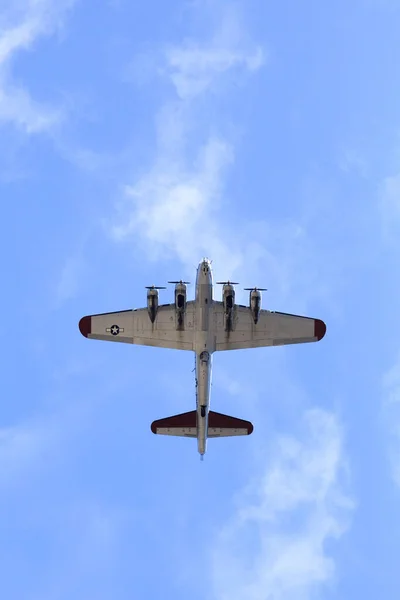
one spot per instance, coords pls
(204, 346)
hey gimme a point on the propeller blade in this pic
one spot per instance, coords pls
(255, 289)
(180, 281)
(155, 287)
(227, 283)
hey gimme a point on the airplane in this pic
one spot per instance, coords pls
(204, 326)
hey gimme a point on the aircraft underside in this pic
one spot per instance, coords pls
(205, 326)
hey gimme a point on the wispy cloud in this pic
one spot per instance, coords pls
(172, 208)
(193, 68)
(177, 208)
(273, 547)
(21, 25)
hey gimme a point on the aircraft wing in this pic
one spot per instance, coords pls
(272, 329)
(135, 327)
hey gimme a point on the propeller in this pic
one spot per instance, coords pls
(181, 282)
(227, 282)
(256, 289)
(155, 287)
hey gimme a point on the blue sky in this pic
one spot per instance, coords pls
(136, 138)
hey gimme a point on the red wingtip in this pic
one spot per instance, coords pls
(85, 326)
(319, 329)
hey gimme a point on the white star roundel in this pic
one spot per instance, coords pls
(114, 330)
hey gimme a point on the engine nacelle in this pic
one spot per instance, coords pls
(152, 304)
(180, 304)
(180, 297)
(228, 298)
(255, 304)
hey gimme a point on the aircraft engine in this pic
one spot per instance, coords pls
(152, 300)
(228, 297)
(180, 297)
(255, 302)
(180, 301)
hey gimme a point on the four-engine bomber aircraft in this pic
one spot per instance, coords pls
(204, 326)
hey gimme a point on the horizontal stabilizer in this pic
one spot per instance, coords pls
(220, 425)
(185, 425)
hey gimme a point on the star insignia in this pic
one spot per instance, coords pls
(114, 329)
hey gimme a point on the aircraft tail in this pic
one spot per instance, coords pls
(185, 425)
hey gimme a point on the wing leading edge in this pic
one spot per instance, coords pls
(272, 329)
(135, 327)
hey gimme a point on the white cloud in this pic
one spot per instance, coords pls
(273, 548)
(20, 26)
(172, 210)
(176, 209)
(18, 107)
(193, 69)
